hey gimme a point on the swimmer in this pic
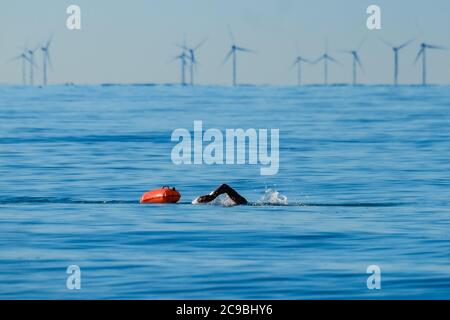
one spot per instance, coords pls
(224, 188)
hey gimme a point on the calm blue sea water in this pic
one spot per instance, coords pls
(366, 172)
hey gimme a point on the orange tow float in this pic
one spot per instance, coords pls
(163, 195)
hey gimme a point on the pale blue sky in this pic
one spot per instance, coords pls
(134, 40)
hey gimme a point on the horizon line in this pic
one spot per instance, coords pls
(176, 84)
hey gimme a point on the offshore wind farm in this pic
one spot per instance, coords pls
(189, 63)
(139, 51)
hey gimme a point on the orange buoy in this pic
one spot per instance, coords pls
(163, 195)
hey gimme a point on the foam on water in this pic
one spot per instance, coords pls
(272, 197)
(223, 200)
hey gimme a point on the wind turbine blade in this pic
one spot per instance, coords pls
(361, 44)
(406, 44)
(231, 34)
(34, 49)
(358, 60)
(200, 44)
(175, 58)
(418, 55)
(431, 46)
(245, 50)
(297, 48)
(389, 44)
(32, 63)
(227, 57)
(183, 47)
(184, 39)
(294, 64)
(318, 60)
(25, 47)
(20, 56)
(47, 55)
(49, 42)
(28, 59)
(333, 60)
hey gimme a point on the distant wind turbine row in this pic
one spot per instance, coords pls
(187, 55)
(356, 60)
(187, 58)
(27, 57)
(422, 52)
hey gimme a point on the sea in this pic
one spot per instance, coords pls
(363, 184)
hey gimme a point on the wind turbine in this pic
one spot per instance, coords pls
(356, 60)
(396, 49)
(183, 61)
(325, 58)
(46, 59)
(298, 62)
(232, 53)
(31, 60)
(423, 53)
(183, 57)
(192, 59)
(23, 56)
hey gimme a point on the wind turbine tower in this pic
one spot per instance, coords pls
(233, 53)
(192, 59)
(298, 62)
(32, 65)
(423, 53)
(46, 59)
(183, 62)
(25, 59)
(396, 50)
(325, 58)
(356, 63)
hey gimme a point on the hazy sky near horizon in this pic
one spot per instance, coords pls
(134, 41)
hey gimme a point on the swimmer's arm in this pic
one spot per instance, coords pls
(224, 188)
(204, 199)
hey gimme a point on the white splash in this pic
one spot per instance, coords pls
(223, 200)
(272, 197)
